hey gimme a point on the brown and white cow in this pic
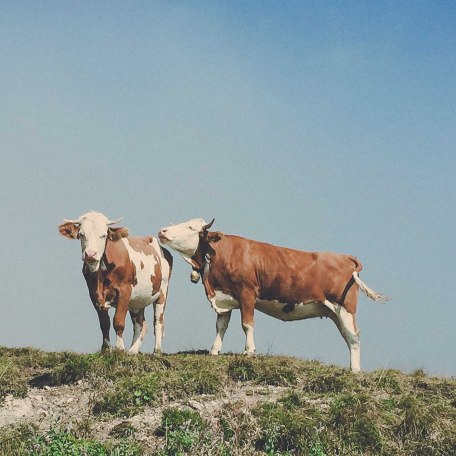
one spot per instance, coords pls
(127, 273)
(287, 284)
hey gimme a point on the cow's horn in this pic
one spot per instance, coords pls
(76, 222)
(112, 222)
(206, 227)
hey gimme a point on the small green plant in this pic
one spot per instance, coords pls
(417, 419)
(182, 430)
(74, 367)
(128, 396)
(241, 369)
(12, 380)
(356, 415)
(389, 381)
(25, 440)
(288, 430)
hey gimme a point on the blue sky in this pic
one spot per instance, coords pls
(313, 125)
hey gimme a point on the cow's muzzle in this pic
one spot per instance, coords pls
(90, 256)
(162, 236)
(104, 306)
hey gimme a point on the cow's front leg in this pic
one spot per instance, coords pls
(139, 330)
(223, 319)
(247, 306)
(119, 319)
(105, 325)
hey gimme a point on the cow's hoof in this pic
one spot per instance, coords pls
(214, 352)
(132, 352)
(248, 353)
(157, 352)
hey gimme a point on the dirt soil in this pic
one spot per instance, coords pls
(71, 405)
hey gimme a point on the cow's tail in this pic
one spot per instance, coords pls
(368, 291)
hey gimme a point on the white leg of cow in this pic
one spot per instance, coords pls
(136, 327)
(221, 326)
(345, 322)
(158, 326)
(139, 331)
(120, 343)
(247, 306)
(346, 325)
(249, 343)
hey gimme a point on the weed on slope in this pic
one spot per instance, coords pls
(193, 403)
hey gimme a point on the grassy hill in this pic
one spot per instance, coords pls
(191, 403)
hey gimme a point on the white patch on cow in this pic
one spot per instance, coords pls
(158, 326)
(165, 269)
(249, 343)
(141, 293)
(93, 232)
(119, 342)
(138, 337)
(221, 326)
(222, 302)
(351, 336)
(184, 237)
(299, 311)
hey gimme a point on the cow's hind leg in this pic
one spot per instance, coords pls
(346, 324)
(221, 326)
(139, 330)
(159, 323)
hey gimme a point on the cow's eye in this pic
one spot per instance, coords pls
(103, 236)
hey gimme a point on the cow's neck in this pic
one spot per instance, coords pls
(102, 267)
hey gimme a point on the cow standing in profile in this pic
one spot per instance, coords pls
(286, 284)
(127, 273)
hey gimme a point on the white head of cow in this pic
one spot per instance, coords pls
(184, 237)
(93, 230)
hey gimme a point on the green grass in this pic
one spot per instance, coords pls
(269, 406)
(25, 440)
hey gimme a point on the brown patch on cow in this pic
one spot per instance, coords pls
(161, 298)
(134, 278)
(142, 245)
(168, 258)
(160, 319)
(242, 267)
(142, 265)
(114, 234)
(156, 278)
(69, 230)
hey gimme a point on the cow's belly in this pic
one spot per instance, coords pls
(290, 312)
(142, 292)
(141, 298)
(222, 303)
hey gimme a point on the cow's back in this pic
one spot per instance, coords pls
(280, 273)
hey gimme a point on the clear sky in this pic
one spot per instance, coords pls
(314, 125)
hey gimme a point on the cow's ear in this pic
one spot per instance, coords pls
(215, 236)
(114, 234)
(69, 230)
